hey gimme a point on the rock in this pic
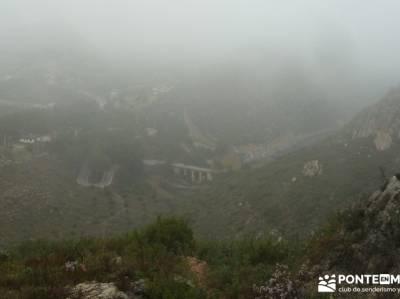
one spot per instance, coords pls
(365, 240)
(97, 290)
(117, 261)
(198, 268)
(383, 141)
(282, 285)
(72, 266)
(380, 121)
(312, 168)
(138, 287)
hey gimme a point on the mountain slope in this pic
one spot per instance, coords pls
(362, 239)
(290, 195)
(365, 237)
(296, 192)
(381, 119)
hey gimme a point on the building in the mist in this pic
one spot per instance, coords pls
(31, 139)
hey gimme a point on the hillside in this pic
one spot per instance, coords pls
(41, 199)
(162, 260)
(362, 239)
(165, 260)
(297, 191)
(101, 125)
(290, 195)
(199, 149)
(381, 121)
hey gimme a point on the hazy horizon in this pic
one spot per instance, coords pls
(344, 49)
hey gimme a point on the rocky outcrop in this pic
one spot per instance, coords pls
(282, 285)
(383, 141)
(96, 290)
(101, 290)
(380, 121)
(363, 240)
(366, 238)
(198, 268)
(312, 168)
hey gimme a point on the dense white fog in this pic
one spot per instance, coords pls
(348, 49)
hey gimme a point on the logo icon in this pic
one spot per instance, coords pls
(327, 284)
(384, 279)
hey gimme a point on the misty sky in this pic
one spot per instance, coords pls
(347, 42)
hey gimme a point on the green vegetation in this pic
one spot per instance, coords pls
(278, 196)
(41, 197)
(164, 254)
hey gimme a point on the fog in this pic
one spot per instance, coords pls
(346, 48)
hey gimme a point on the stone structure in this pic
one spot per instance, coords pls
(85, 177)
(196, 174)
(31, 139)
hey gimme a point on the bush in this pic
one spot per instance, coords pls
(174, 234)
(157, 253)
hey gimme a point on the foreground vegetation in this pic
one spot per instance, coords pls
(278, 196)
(165, 254)
(165, 261)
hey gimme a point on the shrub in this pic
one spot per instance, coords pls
(172, 233)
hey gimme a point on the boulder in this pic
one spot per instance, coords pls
(312, 168)
(383, 141)
(97, 290)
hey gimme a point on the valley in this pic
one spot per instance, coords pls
(115, 182)
(199, 149)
